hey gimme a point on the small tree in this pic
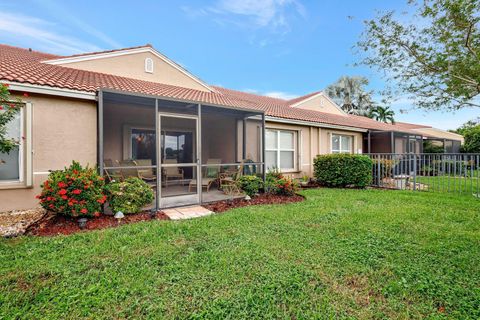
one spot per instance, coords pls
(8, 111)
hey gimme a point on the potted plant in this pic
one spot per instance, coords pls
(304, 180)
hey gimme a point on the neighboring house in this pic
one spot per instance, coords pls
(112, 107)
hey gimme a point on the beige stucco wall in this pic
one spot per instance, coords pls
(313, 141)
(320, 103)
(63, 130)
(133, 66)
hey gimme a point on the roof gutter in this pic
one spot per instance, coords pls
(314, 124)
(53, 91)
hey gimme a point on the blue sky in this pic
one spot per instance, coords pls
(283, 48)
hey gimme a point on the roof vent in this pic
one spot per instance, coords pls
(149, 65)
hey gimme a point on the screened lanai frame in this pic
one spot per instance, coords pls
(448, 145)
(242, 149)
(379, 141)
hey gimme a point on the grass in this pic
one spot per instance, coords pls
(445, 183)
(340, 254)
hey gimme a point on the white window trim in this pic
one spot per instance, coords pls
(341, 150)
(149, 65)
(279, 149)
(25, 152)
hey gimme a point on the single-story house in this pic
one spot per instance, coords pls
(134, 111)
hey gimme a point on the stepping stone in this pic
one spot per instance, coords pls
(181, 213)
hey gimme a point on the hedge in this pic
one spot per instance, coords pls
(342, 170)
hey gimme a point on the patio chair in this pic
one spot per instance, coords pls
(172, 172)
(130, 169)
(228, 180)
(209, 175)
(112, 174)
(146, 175)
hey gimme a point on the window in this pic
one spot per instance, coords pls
(178, 145)
(341, 143)
(15, 167)
(280, 149)
(149, 65)
(143, 144)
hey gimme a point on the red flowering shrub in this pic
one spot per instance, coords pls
(277, 183)
(287, 186)
(73, 192)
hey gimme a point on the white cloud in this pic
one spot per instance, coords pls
(280, 95)
(40, 34)
(194, 12)
(270, 14)
(57, 10)
(273, 94)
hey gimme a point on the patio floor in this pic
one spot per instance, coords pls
(212, 195)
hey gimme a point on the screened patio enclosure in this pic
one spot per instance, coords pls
(392, 142)
(188, 152)
(443, 145)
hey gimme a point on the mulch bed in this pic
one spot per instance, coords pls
(52, 225)
(55, 225)
(225, 205)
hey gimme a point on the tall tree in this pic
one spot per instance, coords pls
(351, 94)
(383, 114)
(435, 59)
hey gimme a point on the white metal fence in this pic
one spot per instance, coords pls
(429, 172)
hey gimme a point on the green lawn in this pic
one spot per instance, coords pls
(340, 254)
(445, 183)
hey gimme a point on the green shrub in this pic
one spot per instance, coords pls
(342, 170)
(74, 191)
(129, 196)
(277, 183)
(430, 147)
(250, 184)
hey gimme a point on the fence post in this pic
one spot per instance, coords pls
(378, 171)
(414, 172)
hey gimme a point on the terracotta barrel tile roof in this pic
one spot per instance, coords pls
(25, 66)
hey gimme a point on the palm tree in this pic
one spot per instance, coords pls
(351, 95)
(383, 114)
